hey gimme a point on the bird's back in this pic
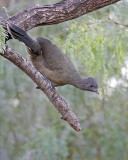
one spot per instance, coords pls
(57, 61)
(53, 56)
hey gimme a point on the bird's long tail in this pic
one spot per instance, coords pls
(18, 33)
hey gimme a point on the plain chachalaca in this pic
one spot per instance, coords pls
(52, 62)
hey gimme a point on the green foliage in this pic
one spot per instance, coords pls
(88, 45)
(30, 127)
(50, 145)
(2, 39)
(2, 47)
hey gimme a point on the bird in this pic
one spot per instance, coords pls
(50, 61)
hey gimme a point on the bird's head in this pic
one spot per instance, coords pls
(90, 84)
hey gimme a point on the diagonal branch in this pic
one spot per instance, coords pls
(45, 15)
(53, 14)
(45, 85)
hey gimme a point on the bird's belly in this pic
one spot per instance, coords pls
(59, 76)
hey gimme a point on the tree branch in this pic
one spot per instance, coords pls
(45, 15)
(109, 20)
(45, 85)
(56, 13)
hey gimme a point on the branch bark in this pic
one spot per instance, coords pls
(46, 15)
(45, 85)
(56, 13)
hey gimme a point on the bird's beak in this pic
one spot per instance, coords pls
(96, 91)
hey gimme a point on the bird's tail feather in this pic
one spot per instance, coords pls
(18, 33)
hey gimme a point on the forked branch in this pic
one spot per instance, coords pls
(45, 15)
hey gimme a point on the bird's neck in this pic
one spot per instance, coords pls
(79, 82)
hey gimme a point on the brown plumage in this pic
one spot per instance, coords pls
(52, 62)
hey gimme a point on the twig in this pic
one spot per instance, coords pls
(109, 20)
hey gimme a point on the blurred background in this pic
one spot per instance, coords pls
(31, 128)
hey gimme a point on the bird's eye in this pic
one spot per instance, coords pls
(91, 86)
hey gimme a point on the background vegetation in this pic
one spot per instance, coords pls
(30, 127)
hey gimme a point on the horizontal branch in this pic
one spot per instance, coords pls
(45, 85)
(56, 13)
